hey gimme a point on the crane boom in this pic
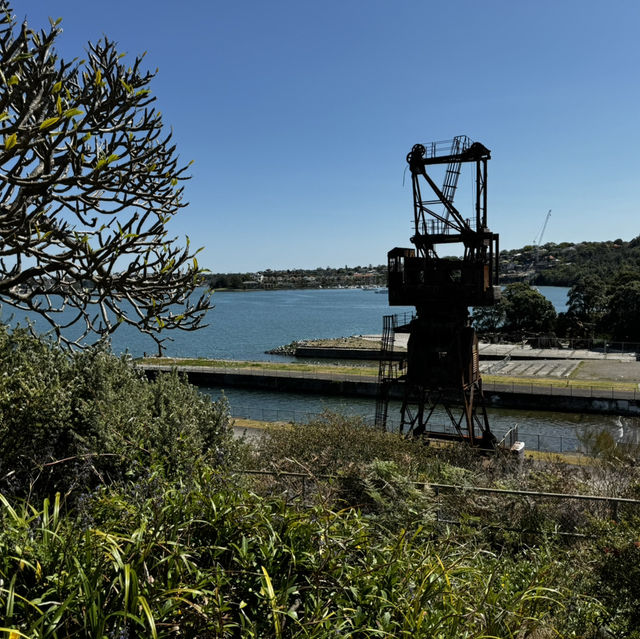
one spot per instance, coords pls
(537, 241)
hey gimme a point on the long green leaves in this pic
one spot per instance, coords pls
(228, 563)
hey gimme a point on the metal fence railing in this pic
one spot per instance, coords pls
(523, 511)
(566, 390)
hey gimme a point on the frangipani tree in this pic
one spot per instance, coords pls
(88, 183)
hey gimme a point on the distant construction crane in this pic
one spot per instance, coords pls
(441, 366)
(537, 240)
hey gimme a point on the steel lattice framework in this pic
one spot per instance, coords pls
(441, 366)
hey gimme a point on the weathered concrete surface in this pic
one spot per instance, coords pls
(554, 368)
(487, 351)
(523, 351)
(508, 353)
(609, 370)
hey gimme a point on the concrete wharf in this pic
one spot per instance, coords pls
(542, 393)
(507, 352)
(522, 350)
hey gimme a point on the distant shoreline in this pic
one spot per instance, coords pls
(374, 289)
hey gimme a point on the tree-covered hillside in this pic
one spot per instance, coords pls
(551, 264)
(349, 276)
(604, 296)
(564, 264)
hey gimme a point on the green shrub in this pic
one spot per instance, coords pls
(333, 443)
(70, 421)
(381, 491)
(209, 559)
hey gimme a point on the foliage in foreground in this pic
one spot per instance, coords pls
(69, 422)
(334, 443)
(213, 560)
(154, 535)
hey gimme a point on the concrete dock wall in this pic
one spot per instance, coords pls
(500, 396)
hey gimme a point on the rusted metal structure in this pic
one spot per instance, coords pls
(441, 367)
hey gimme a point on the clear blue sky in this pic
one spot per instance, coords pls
(298, 115)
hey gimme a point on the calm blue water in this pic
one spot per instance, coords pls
(558, 432)
(243, 325)
(557, 295)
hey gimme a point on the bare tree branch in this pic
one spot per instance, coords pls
(88, 183)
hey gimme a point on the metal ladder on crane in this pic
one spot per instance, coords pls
(453, 169)
(387, 370)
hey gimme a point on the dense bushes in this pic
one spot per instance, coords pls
(72, 421)
(337, 444)
(212, 560)
(162, 538)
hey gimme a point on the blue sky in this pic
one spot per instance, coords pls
(298, 115)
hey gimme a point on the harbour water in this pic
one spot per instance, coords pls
(243, 325)
(544, 431)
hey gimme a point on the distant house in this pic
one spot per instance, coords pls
(251, 284)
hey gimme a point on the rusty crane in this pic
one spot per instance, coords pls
(441, 365)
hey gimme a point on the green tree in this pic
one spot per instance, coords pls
(76, 419)
(588, 298)
(88, 184)
(625, 275)
(489, 319)
(527, 310)
(622, 320)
